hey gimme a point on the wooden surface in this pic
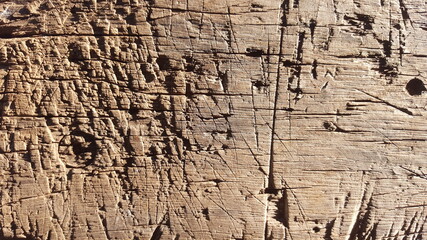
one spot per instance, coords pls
(213, 119)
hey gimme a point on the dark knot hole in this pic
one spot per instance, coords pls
(415, 87)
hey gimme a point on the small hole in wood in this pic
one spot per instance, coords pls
(415, 87)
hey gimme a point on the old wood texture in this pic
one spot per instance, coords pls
(213, 119)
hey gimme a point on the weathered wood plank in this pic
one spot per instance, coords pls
(293, 119)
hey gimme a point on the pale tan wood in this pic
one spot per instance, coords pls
(255, 119)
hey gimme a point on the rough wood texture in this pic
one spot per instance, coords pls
(213, 119)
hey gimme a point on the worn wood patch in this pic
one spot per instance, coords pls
(227, 119)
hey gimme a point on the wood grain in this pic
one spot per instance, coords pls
(226, 119)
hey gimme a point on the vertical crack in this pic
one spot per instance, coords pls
(404, 12)
(271, 184)
(285, 8)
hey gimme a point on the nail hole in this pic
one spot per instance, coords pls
(415, 87)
